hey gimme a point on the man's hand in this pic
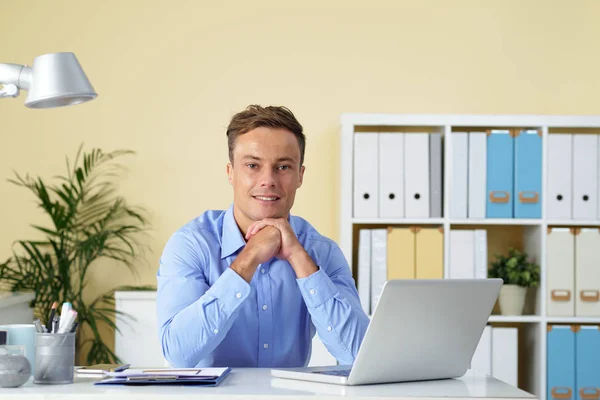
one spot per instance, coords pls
(260, 248)
(265, 244)
(291, 250)
(289, 242)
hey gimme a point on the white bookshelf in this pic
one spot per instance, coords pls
(397, 221)
(497, 221)
(533, 327)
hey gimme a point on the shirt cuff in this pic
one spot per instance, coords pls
(316, 288)
(231, 290)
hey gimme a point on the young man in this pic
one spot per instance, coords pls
(248, 286)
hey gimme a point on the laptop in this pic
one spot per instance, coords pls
(420, 330)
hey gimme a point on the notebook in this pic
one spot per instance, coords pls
(163, 376)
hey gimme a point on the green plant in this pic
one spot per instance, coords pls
(89, 222)
(515, 269)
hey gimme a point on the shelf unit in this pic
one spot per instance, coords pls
(532, 328)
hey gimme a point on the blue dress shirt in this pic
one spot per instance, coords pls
(208, 315)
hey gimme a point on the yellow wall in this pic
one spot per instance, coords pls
(170, 75)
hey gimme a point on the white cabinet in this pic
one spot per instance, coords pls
(14, 308)
(138, 343)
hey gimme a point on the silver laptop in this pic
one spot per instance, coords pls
(420, 330)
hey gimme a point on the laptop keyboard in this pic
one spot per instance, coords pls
(340, 372)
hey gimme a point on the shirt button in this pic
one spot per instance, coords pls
(265, 307)
(216, 331)
(238, 295)
(329, 328)
(311, 291)
(266, 345)
(262, 271)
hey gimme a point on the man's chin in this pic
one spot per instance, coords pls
(262, 214)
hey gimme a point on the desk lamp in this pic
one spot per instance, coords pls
(55, 80)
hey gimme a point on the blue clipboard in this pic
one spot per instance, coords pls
(174, 379)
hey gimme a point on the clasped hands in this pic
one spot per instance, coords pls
(272, 237)
(268, 238)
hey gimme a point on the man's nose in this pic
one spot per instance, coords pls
(267, 178)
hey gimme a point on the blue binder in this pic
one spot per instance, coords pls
(500, 167)
(561, 363)
(587, 364)
(527, 198)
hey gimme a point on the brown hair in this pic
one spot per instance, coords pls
(255, 116)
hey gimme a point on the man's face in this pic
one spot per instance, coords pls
(265, 173)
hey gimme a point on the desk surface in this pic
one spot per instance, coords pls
(257, 383)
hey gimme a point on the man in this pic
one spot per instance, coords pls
(248, 286)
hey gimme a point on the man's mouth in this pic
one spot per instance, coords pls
(266, 198)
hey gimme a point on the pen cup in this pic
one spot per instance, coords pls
(54, 358)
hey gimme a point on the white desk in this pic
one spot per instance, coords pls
(245, 383)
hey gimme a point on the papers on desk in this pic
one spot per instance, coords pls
(186, 376)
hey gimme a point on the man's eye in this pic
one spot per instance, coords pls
(284, 167)
(252, 166)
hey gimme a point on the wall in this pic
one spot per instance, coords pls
(171, 74)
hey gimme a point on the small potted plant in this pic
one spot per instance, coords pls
(518, 273)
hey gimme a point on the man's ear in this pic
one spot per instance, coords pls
(230, 173)
(301, 176)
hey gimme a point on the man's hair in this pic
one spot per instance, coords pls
(255, 116)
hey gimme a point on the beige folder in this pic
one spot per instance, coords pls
(401, 253)
(430, 253)
(560, 278)
(587, 273)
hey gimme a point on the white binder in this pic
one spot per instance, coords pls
(482, 358)
(416, 177)
(477, 174)
(598, 183)
(505, 346)
(459, 180)
(587, 272)
(436, 181)
(559, 179)
(481, 254)
(462, 254)
(391, 175)
(378, 264)
(364, 269)
(560, 259)
(585, 176)
(365, 175)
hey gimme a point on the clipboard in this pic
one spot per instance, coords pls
(186, 376)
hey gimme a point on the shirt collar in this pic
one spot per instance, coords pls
(231, 237)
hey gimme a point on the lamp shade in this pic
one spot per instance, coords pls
(57, 80)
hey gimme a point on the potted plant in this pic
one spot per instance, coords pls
(518, 273)
(88, 221)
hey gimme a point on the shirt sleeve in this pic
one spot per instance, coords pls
(332, 300)
(194, 318)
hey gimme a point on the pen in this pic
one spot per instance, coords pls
(74, 328)
(51, 319)
(121, 368)
(55, 324)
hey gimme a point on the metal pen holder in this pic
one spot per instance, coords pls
(54, 358)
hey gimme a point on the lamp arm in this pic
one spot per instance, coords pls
(14, 77)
